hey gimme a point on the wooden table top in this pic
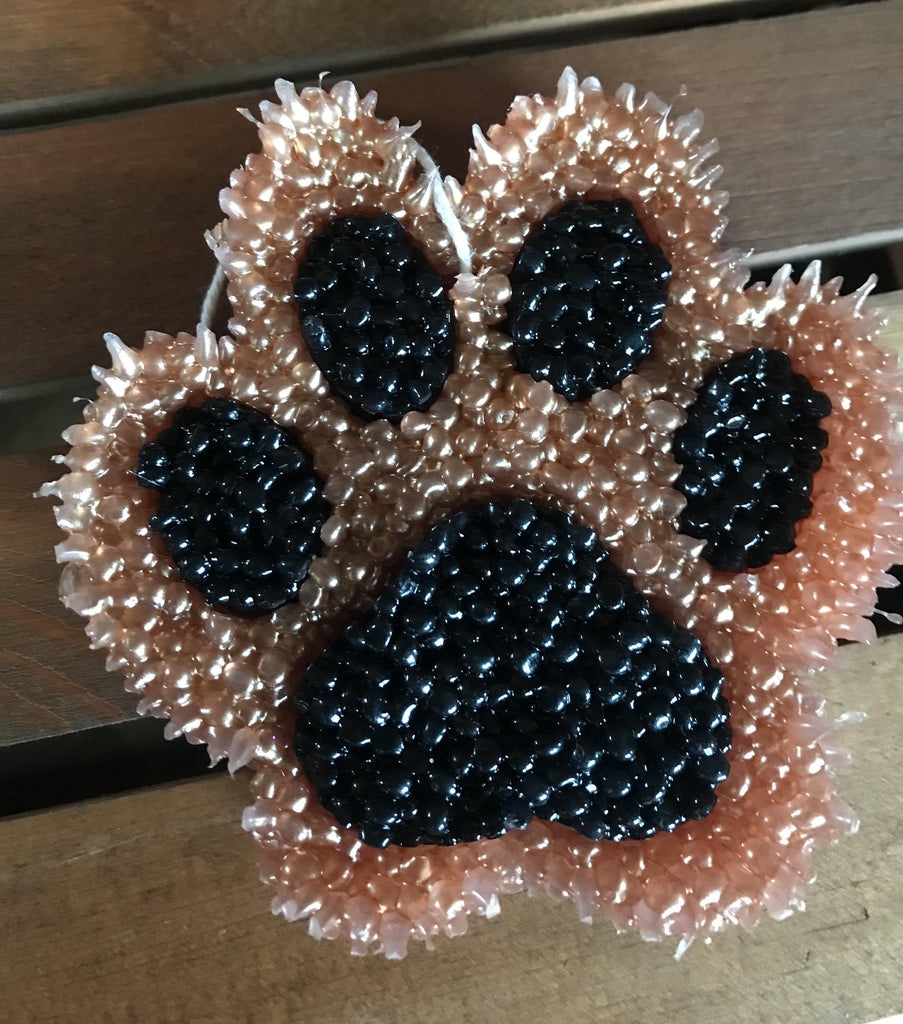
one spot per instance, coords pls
(145, 906)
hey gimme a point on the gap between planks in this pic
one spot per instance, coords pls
(114, 230)
(120, 56)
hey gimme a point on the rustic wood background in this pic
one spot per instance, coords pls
(110, 212)
(147, 907)
(120, 127)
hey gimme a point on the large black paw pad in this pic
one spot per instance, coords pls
(376, 317)
(749, 448)
(511, 672)
(587, 293)
(241, 508)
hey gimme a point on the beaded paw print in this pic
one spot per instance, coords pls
(497, 535)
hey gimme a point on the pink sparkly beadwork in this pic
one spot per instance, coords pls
(494, 432)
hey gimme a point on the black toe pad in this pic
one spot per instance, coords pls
(510, 672)
(241, 508)
(749, 450)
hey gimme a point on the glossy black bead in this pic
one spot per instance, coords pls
(588, 708)
(749, 449)
(375, 316)
(588, 290)
(240, 505)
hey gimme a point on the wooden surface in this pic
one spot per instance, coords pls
(105, 47)
(147, 908)
(891, 305)
(108, 215)
(50, 682)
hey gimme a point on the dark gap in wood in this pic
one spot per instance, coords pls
(33, 416)
(94, 763)
(854, 267)
(890, 600)
(568, 30)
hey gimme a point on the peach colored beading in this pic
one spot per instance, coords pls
(494, 431)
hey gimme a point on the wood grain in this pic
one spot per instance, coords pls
(891, 305)
(142, 47)
(103, 229)
(50, 682)
(146, 908)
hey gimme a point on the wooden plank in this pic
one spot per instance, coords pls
(103, 229)
(115, 47)
(891, 305)
(50, 682)
(147, 908)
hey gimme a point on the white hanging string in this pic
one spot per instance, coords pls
(212, 296)
(445, 210)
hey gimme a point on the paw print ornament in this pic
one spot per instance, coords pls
(498, 536)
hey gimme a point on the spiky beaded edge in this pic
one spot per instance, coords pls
(500, 407)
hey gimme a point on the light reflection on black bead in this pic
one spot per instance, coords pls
(240, 505)
(458, 709)
(748, 450)
(587, 293)
(375, 316)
